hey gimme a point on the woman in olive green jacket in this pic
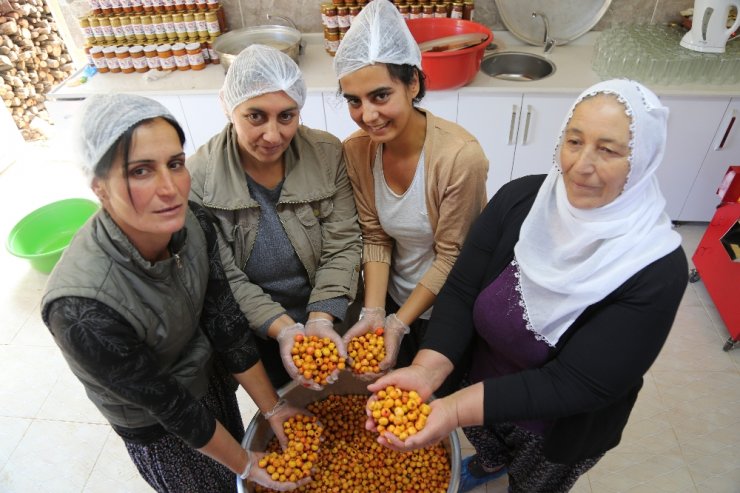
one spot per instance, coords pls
(284, 202)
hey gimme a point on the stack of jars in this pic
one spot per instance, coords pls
(140, 35)
(337, 16)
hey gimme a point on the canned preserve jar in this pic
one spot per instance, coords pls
(138, 58)
(124, 59)
(166, 59)
(111, 60)
(181, 56)
(195, 56)
(99, 59)
(152, 57)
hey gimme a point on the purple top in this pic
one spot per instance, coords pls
(505, 345)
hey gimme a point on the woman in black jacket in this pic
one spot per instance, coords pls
(560, 301)
(143, 313)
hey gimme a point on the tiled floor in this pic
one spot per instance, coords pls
(683, 435)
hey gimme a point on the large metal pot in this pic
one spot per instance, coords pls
(259, 433)
(285, 38)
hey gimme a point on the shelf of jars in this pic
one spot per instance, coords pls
(127, 36)
(337, 16)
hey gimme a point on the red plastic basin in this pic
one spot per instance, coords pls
(449, 69)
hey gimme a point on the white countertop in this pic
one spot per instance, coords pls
(573, 73)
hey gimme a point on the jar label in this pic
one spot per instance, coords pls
(118, 32)
(153, 62)
(138, 30)
(168, 63)
(148, 29)
(104, 4)
(201, 26)
(213, 27)
(128, 29)
(180, 27)
(100, 62)
(159, 28)
(147, 4)
(196, 59)
(126, 4)
(112, 62)
(182, 61)
(125, 63)
(107, 31)
(94, 4)
(169, 27)
(140, 63)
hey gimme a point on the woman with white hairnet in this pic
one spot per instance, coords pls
(559, 303)
(284, 203)
(142, 311)
(419, 180)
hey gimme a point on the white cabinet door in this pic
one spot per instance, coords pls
(205, 116)
(441, 103)
(692, 124)
(338, 120)
(493, 120)
(723, 152)
(540, 121)
(312, 113)
(172, 103)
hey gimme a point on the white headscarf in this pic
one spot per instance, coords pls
(571, 258)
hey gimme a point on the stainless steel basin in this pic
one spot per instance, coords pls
(518, 66)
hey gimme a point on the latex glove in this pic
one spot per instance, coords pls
(370, 320)
(286, 339)
(321, 327)
(394, 332)
(278, 415)
(253, 472)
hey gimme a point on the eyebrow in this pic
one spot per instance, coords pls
(374, 92)
(602, 140)
(251, 109)
(145, 161)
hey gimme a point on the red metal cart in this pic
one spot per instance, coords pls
(717, 264)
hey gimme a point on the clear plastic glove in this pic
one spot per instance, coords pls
(254, 473)
(321, 327)
(370, 320)
(286, 339)
(394, 332)
(278, 415)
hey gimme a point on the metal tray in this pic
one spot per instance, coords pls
(568, 19)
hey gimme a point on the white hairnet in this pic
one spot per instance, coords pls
(104, 118)
(377, 35)
(258, 70)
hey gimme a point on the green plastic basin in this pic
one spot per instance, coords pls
(42, 235)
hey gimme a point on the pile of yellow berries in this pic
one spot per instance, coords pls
(367, 351)
(399, 412)
(352, 461)
(295, 463)
(316, 358)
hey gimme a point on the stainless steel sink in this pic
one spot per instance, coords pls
(518, 66)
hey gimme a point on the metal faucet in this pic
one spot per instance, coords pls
(547, 40)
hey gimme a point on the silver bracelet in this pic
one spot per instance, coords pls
(277, 407)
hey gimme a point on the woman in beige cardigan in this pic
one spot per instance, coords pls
(419, 180)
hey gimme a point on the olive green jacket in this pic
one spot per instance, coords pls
(316, 208)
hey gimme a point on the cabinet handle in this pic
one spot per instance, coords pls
(511, 125)
(526, 124)
(727, 133)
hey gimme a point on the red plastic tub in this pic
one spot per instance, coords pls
(449, 69)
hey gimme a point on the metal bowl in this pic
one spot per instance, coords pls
(259, 433)
(284, 38)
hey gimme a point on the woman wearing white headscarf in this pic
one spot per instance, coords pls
(419, 180)
(284, 204)
(140, 307)
(560, 301)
